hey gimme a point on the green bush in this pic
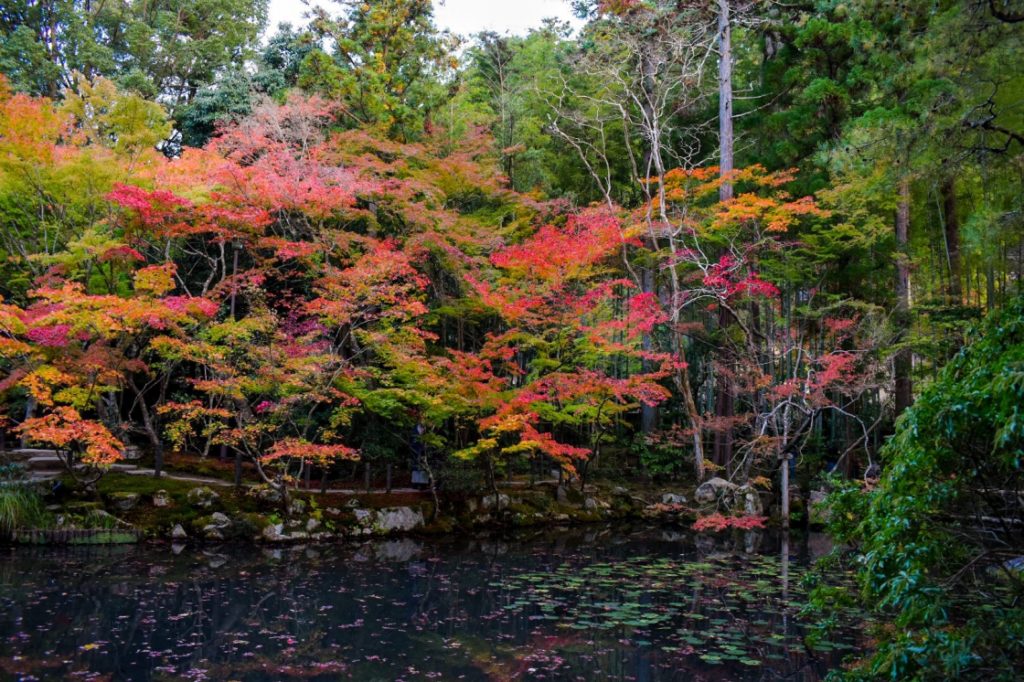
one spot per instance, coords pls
(939, 540)
(659, 461)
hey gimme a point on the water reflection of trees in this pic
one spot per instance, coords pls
(244, 613)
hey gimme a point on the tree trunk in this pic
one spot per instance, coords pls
(724, 403)
(690, 407)
(990, 286)
(30, 411)
(952, 227)
(158, 460)
(286, 502)
(492, 482)
(724, 407)
(903, 362)
(725, 132)
(648, 413)
(234, 316)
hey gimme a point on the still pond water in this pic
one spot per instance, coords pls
(613, 603)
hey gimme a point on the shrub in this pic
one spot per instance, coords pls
(938, 541)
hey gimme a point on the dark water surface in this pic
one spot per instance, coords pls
(613, 603)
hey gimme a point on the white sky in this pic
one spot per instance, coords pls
(464, 17)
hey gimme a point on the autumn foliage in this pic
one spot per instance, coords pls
(716, 523)
(291, 290)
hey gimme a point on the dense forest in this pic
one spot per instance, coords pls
(779, 244)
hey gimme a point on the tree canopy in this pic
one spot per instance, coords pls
(687, 240)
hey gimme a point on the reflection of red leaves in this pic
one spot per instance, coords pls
(717, 523)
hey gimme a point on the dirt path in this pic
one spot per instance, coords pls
(45, 465)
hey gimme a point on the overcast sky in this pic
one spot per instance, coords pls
(459, 16)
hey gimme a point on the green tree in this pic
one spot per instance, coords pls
(170, 47)
(386, 64)
(938, 539)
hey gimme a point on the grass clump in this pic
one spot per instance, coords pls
(20, 507)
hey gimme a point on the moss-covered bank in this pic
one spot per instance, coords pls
(130, 508)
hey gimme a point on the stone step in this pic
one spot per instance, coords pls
(44, 463)
(24, 454)
(127, 468)
(51, 462)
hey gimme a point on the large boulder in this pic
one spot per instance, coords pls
(499, 501)
(214, 527)
(388, 520)
(715, 490)
(567, 494)
(269, 495)
(673, 498)
(212, 532)
(750, 499)
(202, 497)
(818, 514)
(274, 533)
(399, 519)
(178, 533)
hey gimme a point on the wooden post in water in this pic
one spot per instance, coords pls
(785, 582)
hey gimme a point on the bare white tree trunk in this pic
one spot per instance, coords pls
(725, 134)
(903, 361)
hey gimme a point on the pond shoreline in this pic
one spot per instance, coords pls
(136, 509)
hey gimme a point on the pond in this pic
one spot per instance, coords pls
(605, 603)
